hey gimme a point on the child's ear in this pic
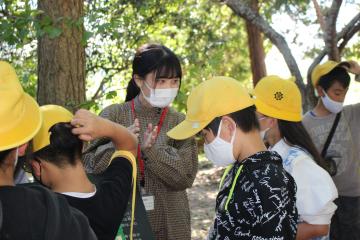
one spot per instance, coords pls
(36, 168)
(22, 149)
(273, 122)
(320, 91)
(138, 80)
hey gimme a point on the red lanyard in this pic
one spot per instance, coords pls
(140, 159)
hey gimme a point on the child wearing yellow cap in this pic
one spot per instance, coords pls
(256, 198)
(279, 110)
(30, 212)
(335, 129)
(56, 163)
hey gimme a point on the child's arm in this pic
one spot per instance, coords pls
(308, 231)
(90, 126)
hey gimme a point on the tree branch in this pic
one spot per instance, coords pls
(319, 15)
(345, 35)
(330, 30)
(244, 11)
(106, 79)
(349, 31)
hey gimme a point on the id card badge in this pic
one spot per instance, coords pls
(148, 200)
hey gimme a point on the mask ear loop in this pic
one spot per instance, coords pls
(219, 129)
(16, 157)
(234, 134)
(150, 89)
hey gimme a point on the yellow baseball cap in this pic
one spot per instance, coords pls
(20, 117)
(278, 98)
(323, 69)
(51, 114)
(213, 98)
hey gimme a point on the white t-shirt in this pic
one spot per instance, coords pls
(316, 190)
(80, 194)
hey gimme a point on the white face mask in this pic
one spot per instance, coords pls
(16, 156)
(331, 105)
(160, 97)
(263, 133)
(220, 152)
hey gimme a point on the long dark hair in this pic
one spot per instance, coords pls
(153, 58)
(296, 135)
(64, 148)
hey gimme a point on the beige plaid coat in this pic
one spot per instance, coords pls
(170, 167)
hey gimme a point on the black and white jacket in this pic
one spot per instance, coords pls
(262, 205)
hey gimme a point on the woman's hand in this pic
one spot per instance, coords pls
(149, 136)
(135, 127)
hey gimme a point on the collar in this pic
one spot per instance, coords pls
(282, 148)
(259, 159)
(140, 108)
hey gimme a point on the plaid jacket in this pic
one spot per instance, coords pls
(170, 167)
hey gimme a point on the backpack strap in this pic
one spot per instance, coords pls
(331, 134)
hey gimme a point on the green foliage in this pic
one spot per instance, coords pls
(295, 8)
(353, 51)
(206, 36)
(209, 39)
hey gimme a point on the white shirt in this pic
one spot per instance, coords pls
(80, 194)
(316, 190)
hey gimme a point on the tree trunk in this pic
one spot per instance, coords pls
(256, 47)
(61, 60)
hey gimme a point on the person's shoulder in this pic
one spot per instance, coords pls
(296, 154)
(117, 107)
(269, 171)
(33, 189)
(179, 116)
(274, 176)
(352, 109)
(174, 112)
(122, 162)
(307, 117)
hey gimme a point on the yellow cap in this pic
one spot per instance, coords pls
(323, 69)
(278, 98)
(20, 117)
(51, 114)
(213, 98)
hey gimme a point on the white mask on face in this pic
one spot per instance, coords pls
(220, 152)
(331, 105)
(16, 156)
(263, 133)
(160, 97)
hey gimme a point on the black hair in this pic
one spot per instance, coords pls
(153, 58)
(245, 119)
(4, 154)
(64, 148)
(338, 74)
(295, 134)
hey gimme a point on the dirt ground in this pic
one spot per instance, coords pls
(202, 199)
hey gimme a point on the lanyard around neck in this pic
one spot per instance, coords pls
(227, 170)
(139, 156)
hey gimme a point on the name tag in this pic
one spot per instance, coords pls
(149, 202)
